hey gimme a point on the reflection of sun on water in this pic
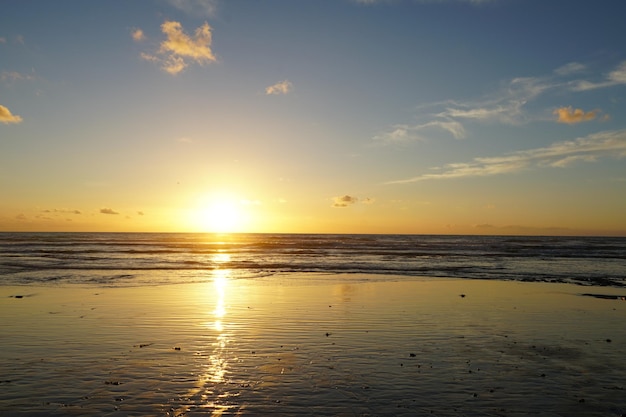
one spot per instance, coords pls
(215, 366)
(218, 364)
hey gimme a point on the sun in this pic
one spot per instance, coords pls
(220, 214)
(223, 216)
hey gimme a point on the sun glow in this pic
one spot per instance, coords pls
(220, 214)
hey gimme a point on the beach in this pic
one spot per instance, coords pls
(316, 345)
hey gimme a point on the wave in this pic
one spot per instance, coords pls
(141, 257)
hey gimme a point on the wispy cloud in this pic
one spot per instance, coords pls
(282, 87)
(561, 154)
(7, 117)
(570, 68)
(179, 49)
(414, 133)
(107, 210)
(570, 115)
(14, 76)
(505, 106)
(508, 105)
(197, 8)
(613, 78)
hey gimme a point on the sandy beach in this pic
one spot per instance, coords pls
(317, 345)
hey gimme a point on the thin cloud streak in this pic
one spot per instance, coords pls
(506, 106)
(613, 78)
(282, 87)
(559, 155)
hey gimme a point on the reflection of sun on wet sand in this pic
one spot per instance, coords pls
(315, 346)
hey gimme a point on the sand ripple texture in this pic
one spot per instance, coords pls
(241, 348)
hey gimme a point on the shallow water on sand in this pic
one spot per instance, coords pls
(329, 347)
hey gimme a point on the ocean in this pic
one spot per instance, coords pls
(139, 259)
(119, 324)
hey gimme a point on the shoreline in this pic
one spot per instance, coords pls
(324, 347)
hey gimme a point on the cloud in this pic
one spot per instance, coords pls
(413, 133)
(138, 35)
(348, 200)
(178, 49)
(613, 78)
(344, 201)
(12, 76)
(3, 40)
(282, 87)
(570, 68)
(62, 211)
(571, 116)
(201, 8)
(106, 210)
(140, 213)
(559, 155)
(508, 105)
(505, 106)
(7, 117)
(149, 57)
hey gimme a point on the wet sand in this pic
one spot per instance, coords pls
(324, 346)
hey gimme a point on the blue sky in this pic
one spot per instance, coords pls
(398, 116)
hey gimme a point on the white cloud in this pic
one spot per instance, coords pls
(561, 154)
(413, 133)
(613, 78)
(508, 105)
(570, 68)
(282, 87)
(7, 117)
(505, 106)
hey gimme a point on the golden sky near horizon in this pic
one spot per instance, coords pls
(343, 116)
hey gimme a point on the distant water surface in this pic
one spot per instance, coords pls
(138, 259)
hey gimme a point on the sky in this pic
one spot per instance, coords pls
(313, 116)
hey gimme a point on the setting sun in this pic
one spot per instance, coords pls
(220, 214)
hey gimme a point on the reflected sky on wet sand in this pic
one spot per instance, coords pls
(316, 347)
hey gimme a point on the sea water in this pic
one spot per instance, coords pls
(319, 325)
(136, 259)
